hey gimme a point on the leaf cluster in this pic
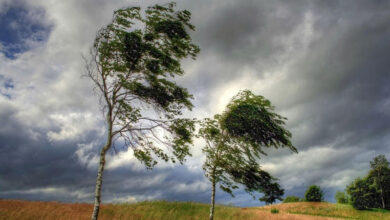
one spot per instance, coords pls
(251, 120)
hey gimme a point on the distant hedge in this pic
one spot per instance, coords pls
(291, 199)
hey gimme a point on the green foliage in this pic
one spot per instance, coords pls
(341, 197)
(234, 141)
(363, 194)
(250, 119)
(379, 162)
(372, 191)
(289, 199)
(134, 61)
(272, 192)
(314, 194)
(223, 157)
(274, 211)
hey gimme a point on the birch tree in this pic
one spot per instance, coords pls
(235, 141)
(134, 60)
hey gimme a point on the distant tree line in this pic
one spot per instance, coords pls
(313, 193)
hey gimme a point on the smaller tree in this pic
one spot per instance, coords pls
(289, 199)
(341, 197)
(234, 142)
(314, 194)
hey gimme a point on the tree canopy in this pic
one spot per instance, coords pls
(251, 120)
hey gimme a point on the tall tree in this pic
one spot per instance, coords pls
(379, 165)
(133, 63)
(234, 141)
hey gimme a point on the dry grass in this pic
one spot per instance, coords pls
(265, 214)
(325, 209)
(160, 210)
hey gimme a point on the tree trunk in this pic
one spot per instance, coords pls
(382, 197)
(99, 178)
(380, 181)
(212, 200)
(99, 181)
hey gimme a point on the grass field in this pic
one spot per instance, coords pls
(325, 209)
(162, 210)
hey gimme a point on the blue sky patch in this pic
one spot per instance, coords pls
(6, 84)
(21, 27)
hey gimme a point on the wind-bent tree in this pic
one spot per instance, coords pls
(134, 61)
(234, 140)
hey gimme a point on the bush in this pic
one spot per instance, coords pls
(274, 211)
(341, 197)
(291, 199)
(314, 194)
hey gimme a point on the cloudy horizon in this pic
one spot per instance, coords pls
(323, 64)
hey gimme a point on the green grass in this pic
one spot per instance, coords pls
(173, 210)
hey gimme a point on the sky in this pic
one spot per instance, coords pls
(323, 64)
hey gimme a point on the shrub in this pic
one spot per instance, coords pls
(291, 199)
(314, 194)
(274, 211)
(341, 197)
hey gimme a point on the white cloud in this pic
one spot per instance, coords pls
(73, 126)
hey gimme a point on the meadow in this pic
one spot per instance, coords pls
(163, 210)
